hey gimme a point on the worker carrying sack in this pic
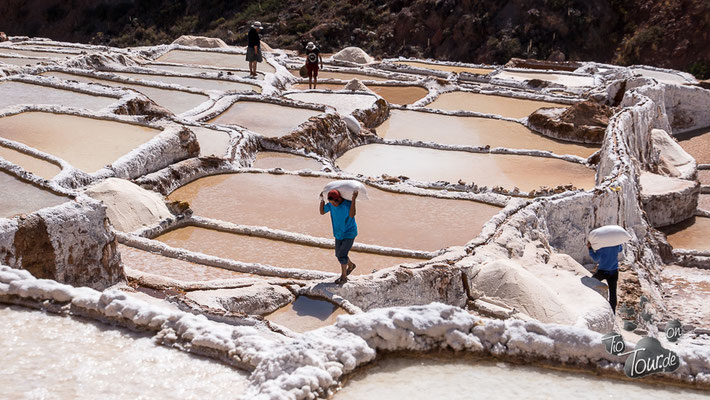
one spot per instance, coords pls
(346, 189)
(608, 236)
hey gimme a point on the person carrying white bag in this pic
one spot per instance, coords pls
(604, 246)
(342, 216)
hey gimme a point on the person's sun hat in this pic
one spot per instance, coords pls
(257, 25)
(334, 195)
(310, 46)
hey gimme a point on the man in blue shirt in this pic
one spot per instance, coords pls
(342, 217)
(608, 259)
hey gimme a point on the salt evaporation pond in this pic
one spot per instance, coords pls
(439, 223)
(200, 83)
(30, 53)
(212, 58)
(425, 378)
(17, 93)
(660, 76)
(37, 166)
(423, 164)
(289, 162)
(343, 76)
(472, 131)
(691, 234)
(85, 143)
(306, 314)
(687, 290)
(395, 94)
(63, 358)
(171, 267)
(562, 79)
(704, 176)
(446, 68)
(250, 249)
(21, 62)
(489, 104)
(20, 197)
(344, 103)
(174, 100)
(271, 120)
(204, 70)
(213, 142)
(697, 144)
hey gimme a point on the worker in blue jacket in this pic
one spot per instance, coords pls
(608, 269)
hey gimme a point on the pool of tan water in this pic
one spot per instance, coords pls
(212, 142)
(200, 83)
(446, 68)
(62, 358)
(472, 131)
(697, 144)
(704, 202)
(251, 249)
(432, 377)
(213, 59)
(174, 100)
(686, 294)
(20, 197)
(660, 76)
(244, 73)
(344, 76)
(289, 162)
(20, 62)
(306, 314)
(37, 166)
(562, 79)
(393, 94)
(508, 171)
(344, 103)
(271, 120)
(691, 234)
(172, 268)
(704, 176)
(16, 93)
(489, 104)
(387, 219)
(30, 53)
(86, 143)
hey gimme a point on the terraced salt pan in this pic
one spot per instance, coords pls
(37, 166)
(446, 68)
(174, 100)
(212, 141)
(85, 143)
(691, 234)
(423, 164)
(704, 176)
(424, 378)
(562, 79)
(172, 268)
(290, 202)
(663, 77)
(21, 62)
(306, 314)
(344, 103)
(489, 104)
(19, 197)
(200, 83)
(244, 73)
(688, 291)
(250, 249)
(16, 93)
(52, 357)
(212, 58)
(472, 131)
(289, 162)
(697, 144)
(271, 120)
(393, 94)
(30, 53)
(343, 76)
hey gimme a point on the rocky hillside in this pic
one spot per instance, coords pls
(670, 33)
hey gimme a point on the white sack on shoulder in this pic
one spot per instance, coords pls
(607, 236)
(346, 189)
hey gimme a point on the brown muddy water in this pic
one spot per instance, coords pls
(344, 103)
(508, 171)
(393, 94)
(562, 79)
(244, 73)
(212, 142)
(37, 166)
(472, 131)
(172, 268)
(343, 76)
(213, 59)
(441, 377)
(697, 144)
(290, 203)
(289, 162)
(20, 62)
(277, 253)
(489, 104)
(270, 120)
(16, 93)
(85, 143)
(691, 234)
(63, 358)
(306, 314)
(174, 100)
(200, 83)
(446, 68)
(19, 197)
(30, 53)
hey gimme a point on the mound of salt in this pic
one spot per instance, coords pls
(128, 206)
(354, 55)
(355, 84)
(200, 41)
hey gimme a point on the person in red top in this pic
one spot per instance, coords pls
(312, 58)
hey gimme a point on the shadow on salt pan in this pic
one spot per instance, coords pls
(306, 314)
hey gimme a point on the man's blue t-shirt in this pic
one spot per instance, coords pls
(607, 257)
(344, 227)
